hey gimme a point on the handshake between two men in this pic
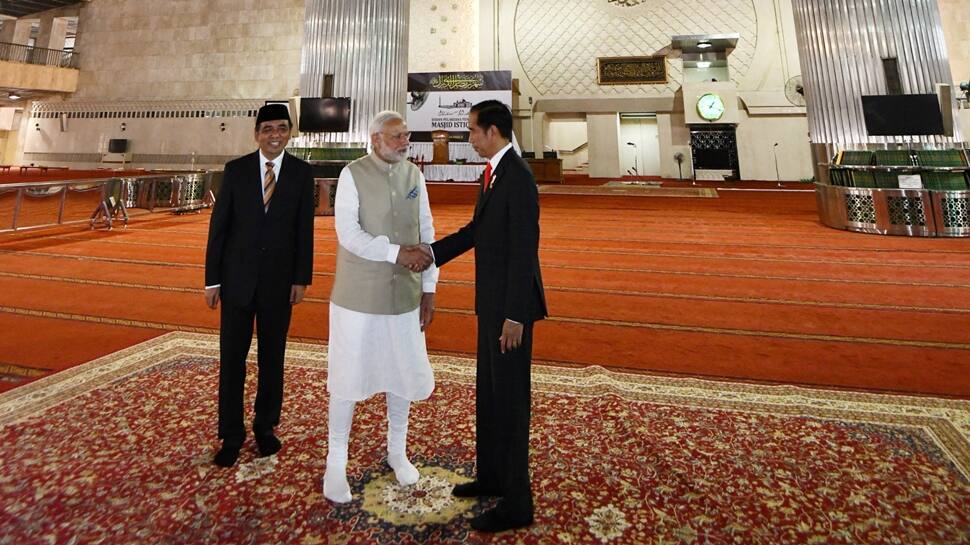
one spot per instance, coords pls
(416, 257)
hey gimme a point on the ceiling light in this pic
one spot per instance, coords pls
(703, 64)
(703, 45)
(13, 95)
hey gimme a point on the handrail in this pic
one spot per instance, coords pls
(86, 181)
(574, 150)
(37, 55)
(181, 191)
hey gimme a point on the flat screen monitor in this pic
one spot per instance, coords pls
(328, 114)
(902, 115)
(118, 145)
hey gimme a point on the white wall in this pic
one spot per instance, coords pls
(956, 27)
(162, 52)
(965, 122)
(137, 50)
(177, 49)
(173, 137)
(551, 47)
(567, 135)
(706, 74)
(674, 139)
(756, 151)
(443, 36)
(604, 152)
(11, 148)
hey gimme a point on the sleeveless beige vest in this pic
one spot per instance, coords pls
(380, 287)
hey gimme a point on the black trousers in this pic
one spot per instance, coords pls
(235, 336)
(503, 400)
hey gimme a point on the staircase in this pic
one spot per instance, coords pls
(582, 168)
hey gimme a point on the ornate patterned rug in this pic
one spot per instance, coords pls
(118, 451)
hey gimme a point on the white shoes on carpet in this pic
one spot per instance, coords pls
(337, 489)
(405, 472)
(335, 485)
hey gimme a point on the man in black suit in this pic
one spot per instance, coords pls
(259, 262)
(509, 298)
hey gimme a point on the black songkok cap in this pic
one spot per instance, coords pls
(272, 112)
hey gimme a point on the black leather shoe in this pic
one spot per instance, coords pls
(473, 489)
(494, 520)
(227, 456)
(268, 444)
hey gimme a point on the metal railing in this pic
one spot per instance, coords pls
(38, 55)
(906, 212)
(100, 201)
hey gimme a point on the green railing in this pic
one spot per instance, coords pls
(328, 154)
(938, 169)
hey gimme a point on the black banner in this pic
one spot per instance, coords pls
(460, 81)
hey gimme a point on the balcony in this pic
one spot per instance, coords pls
(38, 55)
(35, 73)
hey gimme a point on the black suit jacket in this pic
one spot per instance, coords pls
(249, 247)
(505, 234)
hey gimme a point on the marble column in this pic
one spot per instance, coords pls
(15, 31)
(53, 32)
(603, 132)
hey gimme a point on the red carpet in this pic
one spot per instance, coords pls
(118, 452)
(746, 286)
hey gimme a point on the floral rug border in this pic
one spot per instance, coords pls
(947, 421)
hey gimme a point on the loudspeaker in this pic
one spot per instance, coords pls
(117, 145)
(327, 85)
(63, 118)
(944, 92)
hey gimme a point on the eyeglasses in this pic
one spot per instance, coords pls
(398, 135)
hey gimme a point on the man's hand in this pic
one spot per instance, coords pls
(212, 297)
(296, 294)
(414, 258)
(511, 336)
(427, 310)
(426, 248)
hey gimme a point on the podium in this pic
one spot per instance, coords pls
(547, 170)
(439, 149)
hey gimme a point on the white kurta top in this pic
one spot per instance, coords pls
(374, 353)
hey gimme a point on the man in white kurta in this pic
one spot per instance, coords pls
(381, 303)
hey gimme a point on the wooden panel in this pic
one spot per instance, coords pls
(546, 170)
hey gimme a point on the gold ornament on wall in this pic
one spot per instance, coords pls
(631, 70)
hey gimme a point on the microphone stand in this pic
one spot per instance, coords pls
(636, 153)
(774, 150)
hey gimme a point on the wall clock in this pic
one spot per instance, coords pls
(710, 107)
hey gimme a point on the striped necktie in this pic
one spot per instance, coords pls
(269, 184)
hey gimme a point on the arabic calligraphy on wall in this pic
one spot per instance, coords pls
(631, 70)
